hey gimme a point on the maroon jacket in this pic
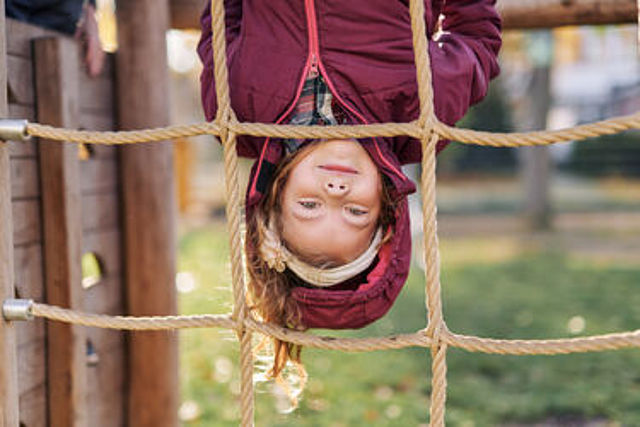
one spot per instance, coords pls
(363, 49)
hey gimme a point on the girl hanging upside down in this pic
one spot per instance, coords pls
(328, 238)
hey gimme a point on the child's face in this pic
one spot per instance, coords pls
(331, 202)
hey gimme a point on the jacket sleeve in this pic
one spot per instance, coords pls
(233, 18)
(464, 56)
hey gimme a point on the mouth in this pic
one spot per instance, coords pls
(339, 168)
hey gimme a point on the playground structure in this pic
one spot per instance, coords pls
(51, 192)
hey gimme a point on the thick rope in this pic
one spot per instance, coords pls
(438, 385)
(576, 133)
(423, 63)
(426, 121)
(224, 117)
(614, 341)
(130, 323)
(121, 137)
(468, 136)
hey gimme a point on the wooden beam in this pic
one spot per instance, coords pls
(57, 66)
(149, 210)
(523, 14)
(185, 14)
(516, 14)
(9, 412)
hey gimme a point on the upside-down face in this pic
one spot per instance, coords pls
(331, 203)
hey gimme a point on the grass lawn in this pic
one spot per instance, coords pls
(522, 292)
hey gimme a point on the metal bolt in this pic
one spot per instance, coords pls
(14, 130)
(17, 309)
(92, 355)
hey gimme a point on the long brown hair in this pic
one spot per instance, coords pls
(269, 290)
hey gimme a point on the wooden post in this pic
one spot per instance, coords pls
(9, 412)
(536, 161)
(149, 209)
(185, 14)
(56, 76)
(521, 14)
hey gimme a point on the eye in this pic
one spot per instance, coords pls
(356, 211)
(308, 204)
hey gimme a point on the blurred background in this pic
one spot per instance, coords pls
(535, 242)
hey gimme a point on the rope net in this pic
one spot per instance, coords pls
(436, 336)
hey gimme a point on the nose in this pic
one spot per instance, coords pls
(334, 186)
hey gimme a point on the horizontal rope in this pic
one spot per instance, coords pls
(467, 136)
(418, 339)
(131, 323)
(120, 137)
(519, 139)
(556, 346)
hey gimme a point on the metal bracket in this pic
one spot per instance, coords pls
(14, 130)
(17, 309)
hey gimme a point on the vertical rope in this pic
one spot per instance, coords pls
(435, 324)
(239, 304)
(426, 120)
(429, 224)
(423, 64)
(220, 72)
(438, 385)
(224, 116)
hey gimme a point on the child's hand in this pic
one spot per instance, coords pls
(88, 32)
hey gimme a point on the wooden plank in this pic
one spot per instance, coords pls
(106, 340)
(100, 211)
(107, 245)
(57, 88)
(106, 297)
(31, 365)
(18, 111)
(522, 14)
(96, 94)
(20, 84)
(102, 152)
(99, 176)
(33, 406)
(185, 14)
(106, 389)
(19, 37)
(101, 122)
(22, 149)
(28, 272)
(26, 221)
(97, 121)
(31, 331)
(24, 178)
(9, 410)
(149, 206)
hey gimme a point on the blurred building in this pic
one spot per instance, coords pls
(596, 72)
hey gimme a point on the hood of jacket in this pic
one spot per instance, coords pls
(361, 300)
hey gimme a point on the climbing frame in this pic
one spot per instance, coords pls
(427, 129)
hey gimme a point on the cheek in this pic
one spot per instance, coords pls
(372, 190)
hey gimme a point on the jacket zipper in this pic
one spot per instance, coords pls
(312, 29)
(314, 64)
